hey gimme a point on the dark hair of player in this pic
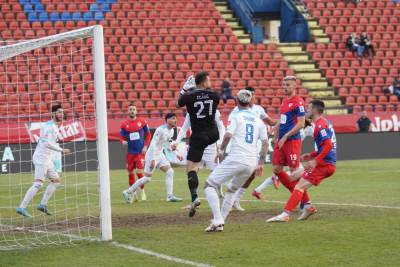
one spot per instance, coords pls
(307, 122)
(169, 115)
(201, 77)
(319, 105)
(251, 89)
(131, 104)
(56, 107)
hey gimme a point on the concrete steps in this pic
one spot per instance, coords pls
(311, 77)
(316, 31)
(229, 16)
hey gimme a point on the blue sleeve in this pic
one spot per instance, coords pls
(123, 133)
(324, 134)
(299, 111)
(146, 128)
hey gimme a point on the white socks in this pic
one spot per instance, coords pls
(239, 193)
(138, 183)
(30, 194)
(169, 182)
(265, 184)
(213, 201)
(227, 204)
(51, 188)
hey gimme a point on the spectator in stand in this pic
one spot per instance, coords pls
(394, 88)
(349, 43)
(226, 91)
(363, 123)
(367, 44)
(357, 47)
(353, 44)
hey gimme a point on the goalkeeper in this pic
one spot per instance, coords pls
(42, 160)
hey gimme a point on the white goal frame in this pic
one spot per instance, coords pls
(96, 32)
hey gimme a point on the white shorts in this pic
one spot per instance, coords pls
(160, 161)
(43, 171)
(228, 170)
(208, 158)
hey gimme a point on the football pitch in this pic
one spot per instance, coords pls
(357, 224)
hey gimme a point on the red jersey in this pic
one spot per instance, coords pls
(291, 109)
(137, 133)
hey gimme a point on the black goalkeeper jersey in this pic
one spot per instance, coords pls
(201, 105)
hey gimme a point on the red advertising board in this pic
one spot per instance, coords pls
(79, 130)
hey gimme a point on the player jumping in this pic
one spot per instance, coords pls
(260, 112)
(210, 153)
(42, 161)
(320, 164)
(245, 129)
(155, 158)
(135, 134)
(201, 103)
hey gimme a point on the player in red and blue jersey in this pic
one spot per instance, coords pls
(287, 137)
(135, 134)
(319, 164)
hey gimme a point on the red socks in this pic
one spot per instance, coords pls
(305, 198)
(294, 200)
(284, 178)
(140, 176)
(131, 179)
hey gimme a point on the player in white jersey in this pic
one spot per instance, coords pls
(57, 160)
(42, 161)
(260, 112)
(244, 130)
(210, 153)
(155, 158)
(273, 179)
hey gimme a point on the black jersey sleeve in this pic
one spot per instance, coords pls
(183, 99)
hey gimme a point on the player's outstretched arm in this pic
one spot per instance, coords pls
(270, 121)
(55, 147)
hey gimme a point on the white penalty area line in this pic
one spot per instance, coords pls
(159, 255)
(330, 204)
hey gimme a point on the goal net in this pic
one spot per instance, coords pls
(66, 69)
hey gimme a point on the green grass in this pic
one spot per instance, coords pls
(336, 236)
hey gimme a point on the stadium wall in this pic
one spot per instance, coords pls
(16, 158)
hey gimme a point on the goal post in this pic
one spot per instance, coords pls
(40, 79)
(102, 134)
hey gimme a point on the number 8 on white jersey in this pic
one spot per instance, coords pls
(246, 129)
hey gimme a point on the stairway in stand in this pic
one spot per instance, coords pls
(311, 77)
(316, 30)
(223, 7)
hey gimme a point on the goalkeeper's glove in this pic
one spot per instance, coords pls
(189, 85)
